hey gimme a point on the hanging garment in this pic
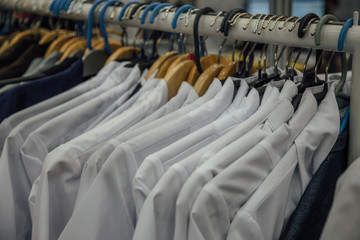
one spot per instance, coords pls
(10, 161)
(123, 163)
(308, 219)
(69, 152)
(249, 170)
(12, 53)
(44, 64)
(19, 66)
(156, 217)
(263, 215)
(209, 169)
(157, 163)
(70, 124)
(28, 94)
(96, 161)
(8, 124)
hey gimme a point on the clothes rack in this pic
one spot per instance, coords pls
(329, 35)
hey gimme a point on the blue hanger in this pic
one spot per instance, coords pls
(4, 29)
(57, 7)
(66, 5)
(181, 10)
(344, 121)
(125, 7)
(150, 7)
(343, 32)
(90, 23)
(102, 24)
(156, 11)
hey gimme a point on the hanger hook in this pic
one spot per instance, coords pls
(250, 19)
(187, 16)
(216, 18)
(304, 30)
(221, 48)
(307, 60)
(233, 21)
(286, 21)
(125, 8)
(325, 19)
(240, 54)
(294, 25)
(150, 7)
(262, 24)
(178, 12)
(276, 21)
(233, 50)
(257, 23)
(318, 65)
(294, 63)
(269, 20)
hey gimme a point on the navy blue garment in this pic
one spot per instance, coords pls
(308, 219)
(28, 94)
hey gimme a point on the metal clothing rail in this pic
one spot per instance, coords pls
(329, 37)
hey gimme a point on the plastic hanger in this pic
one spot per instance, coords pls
(178, 12)
(156, 11)
(149, 8)
(305, 21)
(97, 58)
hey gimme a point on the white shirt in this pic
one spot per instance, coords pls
(156, 164)
(15, 217)
(158, 211)
(113, 183)
(231, 188)
(8, 124)
(96, 161)
(121, 102)
(51, 215)
(213, 166)
(266, 211)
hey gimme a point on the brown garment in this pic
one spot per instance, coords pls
(22, 62)
(14, 52)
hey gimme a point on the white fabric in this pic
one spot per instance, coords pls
(49, 214)
(15, 217)
(239, 97)
(185, 95)
(8, 124)
(156, 164)
(343, 219)
(158, 211)
(123, 104)
(113, 183)
(213, 166)
(231, 188)
(68, 125)
(96, 161)
(266, 211)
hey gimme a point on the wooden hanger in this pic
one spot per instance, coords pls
(206, 78)
(159, 62)
(227, 70)
(175, 76)
(51, 36)
(123, 52)
(114, 44)
(58, 43)
(78, 45)
(69, 42)
(205, 62)
(28, 34)
(178, 60)
(165, 66)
